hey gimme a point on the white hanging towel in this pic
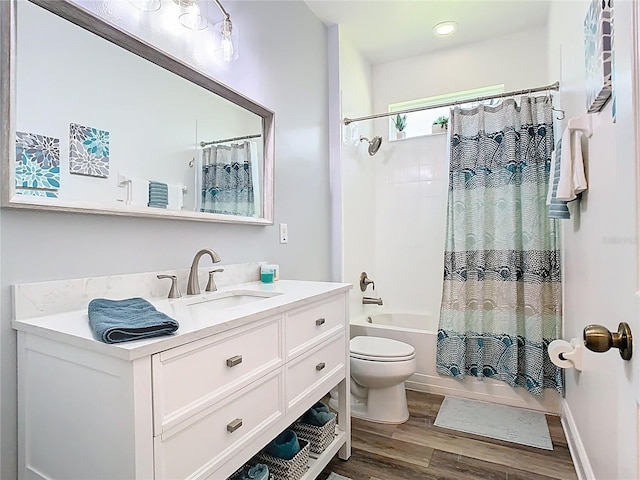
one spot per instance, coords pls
(176, 196)
(572, 179)
(138, 192)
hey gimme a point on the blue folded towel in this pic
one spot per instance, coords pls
(116, 321)
(158, 187)
(258, 472)
(318, 415)
(320, 407)
(158, 194)
(284, 446)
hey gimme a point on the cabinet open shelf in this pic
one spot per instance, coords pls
(317, 462)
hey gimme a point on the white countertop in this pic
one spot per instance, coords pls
(73, 327)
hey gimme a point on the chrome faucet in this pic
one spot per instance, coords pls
(193, 287)
(371, 301)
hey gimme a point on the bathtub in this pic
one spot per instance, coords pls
(420, 331)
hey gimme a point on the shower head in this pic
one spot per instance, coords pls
(374, 144)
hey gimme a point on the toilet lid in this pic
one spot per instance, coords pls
(380, 349)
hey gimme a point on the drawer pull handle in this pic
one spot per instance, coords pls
(233, 426)
(320, 321)
(320, 366)
(233, 361)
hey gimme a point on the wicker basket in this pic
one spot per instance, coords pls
(282, 469)
(319, 437)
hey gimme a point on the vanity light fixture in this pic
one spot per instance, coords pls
(193, 15)
(226, 37)
(445, 28)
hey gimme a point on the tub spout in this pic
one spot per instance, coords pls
(371, 301)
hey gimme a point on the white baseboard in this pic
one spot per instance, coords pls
(576, 447)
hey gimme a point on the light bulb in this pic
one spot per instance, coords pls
(226, 40)
(146, 5)
(192, 17)
(227, 48)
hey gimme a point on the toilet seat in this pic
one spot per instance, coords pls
(377, 349)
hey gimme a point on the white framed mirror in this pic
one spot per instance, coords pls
(102, 122)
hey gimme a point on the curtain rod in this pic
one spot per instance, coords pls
(554, 86)
(246, 137)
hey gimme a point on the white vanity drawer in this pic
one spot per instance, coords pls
(197, 447)
(194, 376)
(305, 373)
(310, 325)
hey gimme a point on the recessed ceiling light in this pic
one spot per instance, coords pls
(445, 28)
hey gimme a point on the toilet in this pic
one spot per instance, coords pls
(379, 367)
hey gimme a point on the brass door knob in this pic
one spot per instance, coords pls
(598, 338)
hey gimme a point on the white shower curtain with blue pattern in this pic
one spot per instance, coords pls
(501, 301)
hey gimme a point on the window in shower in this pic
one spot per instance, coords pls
(419, 123)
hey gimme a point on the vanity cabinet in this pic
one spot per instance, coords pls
(194, 410)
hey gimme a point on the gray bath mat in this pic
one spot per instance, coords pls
(511, 424)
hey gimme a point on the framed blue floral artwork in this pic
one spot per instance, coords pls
(597, 53)
(88, 151)
(37, 161)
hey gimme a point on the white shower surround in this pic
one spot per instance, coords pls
(420, 331)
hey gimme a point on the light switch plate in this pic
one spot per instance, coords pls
(284, 233)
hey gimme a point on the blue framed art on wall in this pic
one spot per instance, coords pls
(597, 53)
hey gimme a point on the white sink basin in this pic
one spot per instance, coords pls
(222, 300)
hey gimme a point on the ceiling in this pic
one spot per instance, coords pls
(388, 30)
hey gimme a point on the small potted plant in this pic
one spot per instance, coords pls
(440, 124)
(400, 123)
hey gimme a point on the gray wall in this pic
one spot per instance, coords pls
(285, 69)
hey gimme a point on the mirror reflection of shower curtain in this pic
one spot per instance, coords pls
(229, 180)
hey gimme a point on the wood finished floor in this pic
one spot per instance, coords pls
(419, 450)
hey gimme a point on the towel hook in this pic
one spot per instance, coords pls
(561, 116)
(553, 109)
